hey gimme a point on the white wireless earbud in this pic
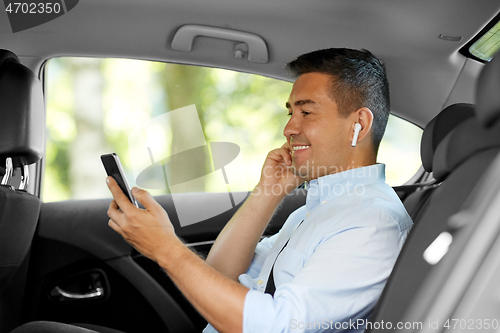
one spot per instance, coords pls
(357, 128)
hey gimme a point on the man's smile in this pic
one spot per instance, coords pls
(296, 148)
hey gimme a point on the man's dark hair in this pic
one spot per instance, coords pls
(358, 80)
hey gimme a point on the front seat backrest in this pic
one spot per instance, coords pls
(465, 226)
(461, 158)
(22, 127)
(487, 94)
(435, 131)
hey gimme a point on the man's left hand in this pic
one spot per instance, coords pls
(148, 230)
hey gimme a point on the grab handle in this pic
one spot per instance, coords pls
(184, 37)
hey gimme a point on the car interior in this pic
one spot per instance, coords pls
(59, 260)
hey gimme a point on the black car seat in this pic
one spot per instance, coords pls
(435, 131)
(22, 128)
(461, 158)
(473, 233)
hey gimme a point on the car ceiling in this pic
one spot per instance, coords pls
(425, 72)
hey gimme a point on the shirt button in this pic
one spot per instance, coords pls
(308, 214)
(260, 281)
(324, 202)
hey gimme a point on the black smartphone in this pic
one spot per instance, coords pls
(114, 169)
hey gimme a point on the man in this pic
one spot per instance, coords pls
(331, 259)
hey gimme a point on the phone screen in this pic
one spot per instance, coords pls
(113, 168)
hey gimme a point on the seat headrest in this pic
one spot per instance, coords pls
(468, 139)
(22, 116)
(487, 93)
(437, 129)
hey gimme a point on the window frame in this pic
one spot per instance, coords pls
(465, 50)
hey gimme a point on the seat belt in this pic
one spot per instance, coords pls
(270, 287)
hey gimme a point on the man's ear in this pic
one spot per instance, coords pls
(364, 117)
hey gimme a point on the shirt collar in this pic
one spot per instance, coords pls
(329, 187)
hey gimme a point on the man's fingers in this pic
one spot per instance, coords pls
(120, 197)
(115, 226)
(286, 145)
(113, 211)
(145, 199)
(283, 155)
(288, 157)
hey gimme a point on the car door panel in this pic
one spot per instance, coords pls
(73, 238)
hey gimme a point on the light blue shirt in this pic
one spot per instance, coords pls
(333, 270)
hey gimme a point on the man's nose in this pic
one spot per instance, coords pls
(292, 127)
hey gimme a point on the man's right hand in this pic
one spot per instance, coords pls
(233, 249)
(277, 177)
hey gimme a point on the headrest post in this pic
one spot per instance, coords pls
(25, 177)
(8, 172)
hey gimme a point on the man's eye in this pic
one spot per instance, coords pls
(305, 113)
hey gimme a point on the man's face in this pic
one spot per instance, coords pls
(317, 136)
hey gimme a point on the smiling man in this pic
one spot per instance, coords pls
(326, 268)
(318, 125)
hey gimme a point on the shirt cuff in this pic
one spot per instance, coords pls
(262, 313)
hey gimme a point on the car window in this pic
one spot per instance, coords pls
(175, 127)
(400, 150)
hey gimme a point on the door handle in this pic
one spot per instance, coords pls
(63, 295)
(86, 286)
